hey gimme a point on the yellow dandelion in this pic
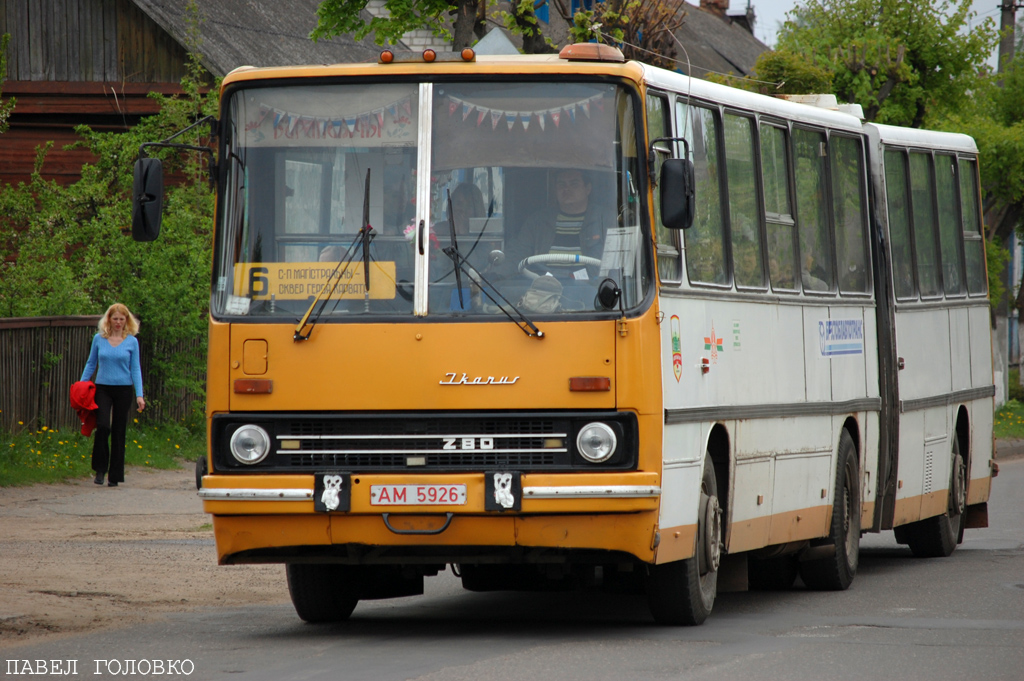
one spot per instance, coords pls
(21, 423)
(136, 420)
(177, 447)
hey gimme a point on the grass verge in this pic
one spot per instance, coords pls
(48, 455)
(1009, 423)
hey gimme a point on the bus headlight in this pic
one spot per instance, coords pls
(596, 442)
(250, 444)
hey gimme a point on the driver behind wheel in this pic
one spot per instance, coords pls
(575, 227)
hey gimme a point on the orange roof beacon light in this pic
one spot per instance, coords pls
(429, 55)
(468, 54)
(387, 56)
(591, 52)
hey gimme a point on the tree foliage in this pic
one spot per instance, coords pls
(8, 106)
(65, 249)
(899, 60)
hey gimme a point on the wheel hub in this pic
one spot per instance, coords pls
(710, 550)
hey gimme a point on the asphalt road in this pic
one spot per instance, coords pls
(959, 618)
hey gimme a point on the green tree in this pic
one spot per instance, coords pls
(8, 106)
(65, 249)
(901, 61)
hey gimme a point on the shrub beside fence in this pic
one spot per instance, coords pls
(40, 357)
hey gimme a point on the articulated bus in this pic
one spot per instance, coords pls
(572, 321)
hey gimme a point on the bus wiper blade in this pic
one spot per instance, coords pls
(364, 237)
(455, 249)
(462, 265)
(334, 280)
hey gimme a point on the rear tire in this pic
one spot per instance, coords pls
(836, 572)
(322, 593)
(937, 537)
(683, 592)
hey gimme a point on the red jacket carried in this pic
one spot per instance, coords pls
(83, 400)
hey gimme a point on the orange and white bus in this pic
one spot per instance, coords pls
(572, 320)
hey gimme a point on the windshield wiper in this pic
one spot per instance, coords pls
(455, 247)
(363, 237)
(463, 265)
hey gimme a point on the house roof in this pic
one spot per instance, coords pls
(716, 44)
(256, 33)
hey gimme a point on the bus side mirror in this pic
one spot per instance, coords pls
(676, 185)
(147, 199)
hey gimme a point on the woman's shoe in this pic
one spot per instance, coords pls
(111, 484)
(99, 479)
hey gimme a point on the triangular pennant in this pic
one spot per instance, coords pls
(585, 105)
(540, 120)
(393, 110)
(571, 110)
(351, 123)
(264, 111)
(453, 105)
(323, 127)
(556, 116)
(481, 117)
(495, 117)
(600, 104)
(291, 124)
(407, 106)
(364, 122)
(524, 118)
(510, 118)
(467, 108)
(380, 117)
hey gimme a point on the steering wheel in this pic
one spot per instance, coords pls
(554, 259)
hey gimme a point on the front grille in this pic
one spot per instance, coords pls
(421, 441)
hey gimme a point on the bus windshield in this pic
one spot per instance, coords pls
(535, 185)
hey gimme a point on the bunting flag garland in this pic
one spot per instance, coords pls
(367, 122)
(525, 117)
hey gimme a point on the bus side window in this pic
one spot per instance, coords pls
(949, 237)
(744, 225)
(705, 240)
(666, 239)
(922, 191)
(849, 214)
(974, 245)
(782, 268)
(898, 210)
(811, 210)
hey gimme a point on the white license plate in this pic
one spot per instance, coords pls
(417, 495)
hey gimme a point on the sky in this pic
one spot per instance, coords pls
(771, 14)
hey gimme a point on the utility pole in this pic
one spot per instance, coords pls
(1007, 32)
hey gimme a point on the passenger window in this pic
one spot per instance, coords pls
(849, 213)
(745, 227)
(705, 240)
(922, 193)
(974, 244)
(949, 229)
(782, 269)
(898, 210)
(811, 210)
(658, 125)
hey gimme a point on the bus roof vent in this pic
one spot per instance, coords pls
(820, 101)
(591, 52)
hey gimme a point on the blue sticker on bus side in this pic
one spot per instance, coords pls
(841, 337)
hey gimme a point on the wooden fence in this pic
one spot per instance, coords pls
(40, 357)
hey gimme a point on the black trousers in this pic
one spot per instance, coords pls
(114, 402)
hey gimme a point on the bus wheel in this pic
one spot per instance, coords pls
(683, 592)
(321, 593)
(938, 536)
(835, 572)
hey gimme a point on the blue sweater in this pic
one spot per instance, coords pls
(117, 366)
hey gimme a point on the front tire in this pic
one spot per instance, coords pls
(683, 592)
(836, 572)
(322, 593)
(938, 536)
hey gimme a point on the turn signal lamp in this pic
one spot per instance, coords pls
(583, 384)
